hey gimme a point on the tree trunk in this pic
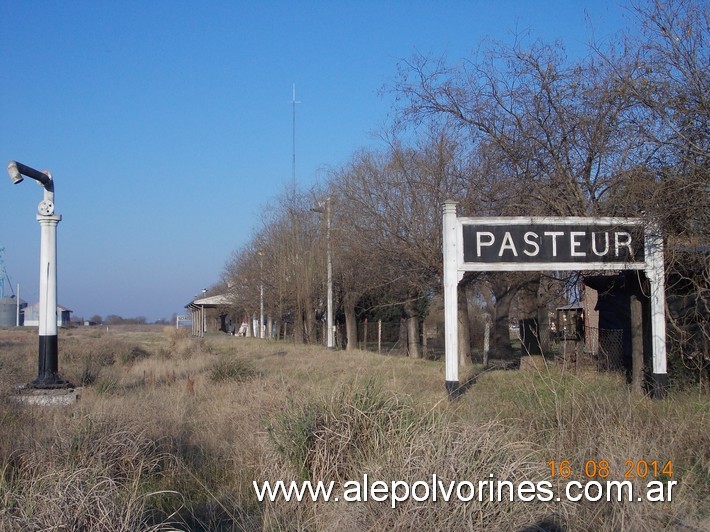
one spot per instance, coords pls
(501, 327)
(309, 324)
(412, 319)
(413, 337)
(298, 336)
(543, 317)
(349, 301)
(250, 327)
(529, 321)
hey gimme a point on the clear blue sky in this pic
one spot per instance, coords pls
(167, 125)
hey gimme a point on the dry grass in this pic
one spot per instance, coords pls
(171, 432)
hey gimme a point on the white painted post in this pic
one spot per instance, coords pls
(48, 345)
(48, 275)
(486, 341)
(379, 336)
(48, 359)
(262, 332)
(451, 281)
(656, 276)
(329, 318)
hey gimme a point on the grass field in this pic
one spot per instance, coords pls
(170, 433)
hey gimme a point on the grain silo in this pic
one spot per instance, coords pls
(8, 311)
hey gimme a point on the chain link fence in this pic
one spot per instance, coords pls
(610, 355)
(602, 349)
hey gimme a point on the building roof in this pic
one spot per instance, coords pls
(211, 301)
(59, 307)
(7, 300)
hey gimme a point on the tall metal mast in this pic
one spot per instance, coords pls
(293, 162)
(2, 273)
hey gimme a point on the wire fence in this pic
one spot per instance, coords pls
(610, 355)
(602, 349)
(381, 336)
(390, 338)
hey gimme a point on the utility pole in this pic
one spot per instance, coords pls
(331, 331)
(261, 295)
(329, 324)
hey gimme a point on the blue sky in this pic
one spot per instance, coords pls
(167, 125)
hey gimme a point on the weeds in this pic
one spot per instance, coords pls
(172, 435)
(368, 431)
(229, 369)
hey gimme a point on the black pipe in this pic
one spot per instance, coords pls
(34, 174)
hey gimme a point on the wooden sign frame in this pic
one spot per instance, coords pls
(551, 244)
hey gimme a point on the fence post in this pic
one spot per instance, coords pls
(364, 335)
(379, 336)
(486, 341)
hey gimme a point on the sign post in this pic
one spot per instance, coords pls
(551, 244)
(656, 276)
(452, 277)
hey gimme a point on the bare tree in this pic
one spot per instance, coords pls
(669, 81)
(391, 204)
(283, 258)
(557, 138)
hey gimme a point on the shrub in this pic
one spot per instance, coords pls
(368, 431)
(91, 476)
(131, 355)
(232, 369)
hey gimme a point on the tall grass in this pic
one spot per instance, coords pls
(170, 433)
(368, 431)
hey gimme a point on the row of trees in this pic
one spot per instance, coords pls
(115, 319)
(514, 130)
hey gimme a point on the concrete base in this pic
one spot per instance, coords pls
(52, 397)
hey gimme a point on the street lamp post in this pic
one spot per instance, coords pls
(262, 334)
(204, 316)
(48, 359)
(330, 326)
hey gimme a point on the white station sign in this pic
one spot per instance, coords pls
(550, 244)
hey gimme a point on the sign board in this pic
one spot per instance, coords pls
(549, 244)
(179, 319)
(544, 243)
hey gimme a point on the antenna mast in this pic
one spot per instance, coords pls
(2, 273)
(293, 161)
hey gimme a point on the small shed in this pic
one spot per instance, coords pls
(617, 322)
(32, 316)
(570, 321)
